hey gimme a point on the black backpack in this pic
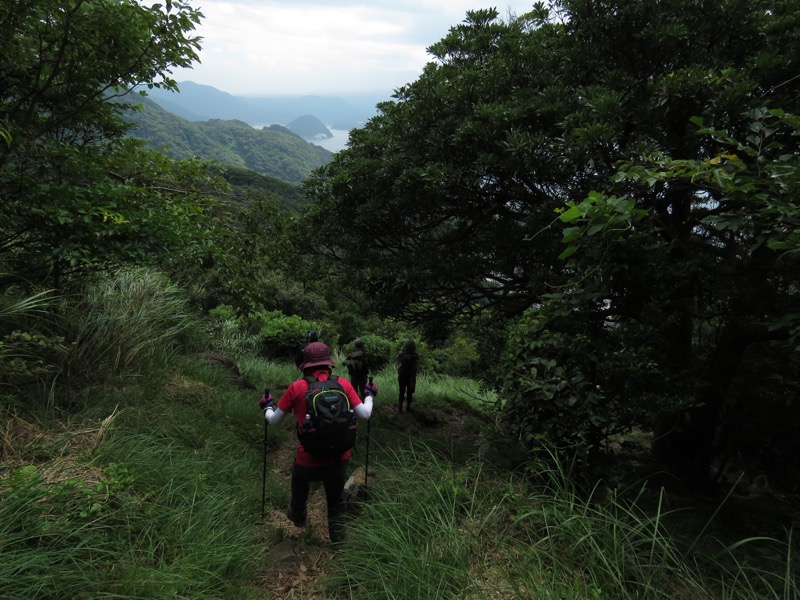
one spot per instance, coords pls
(407, 363)
(329, 429)
(357, 365)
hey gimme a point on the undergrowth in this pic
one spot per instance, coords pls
(147, 483)
(434, 531)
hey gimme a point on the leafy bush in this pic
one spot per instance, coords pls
(281, 334)
(399, 331)
(459, 357)
(27, 351)
(228, 334)
(381, 351)
(30, 354)
(271, 334)
(293, 297)
(571, 385)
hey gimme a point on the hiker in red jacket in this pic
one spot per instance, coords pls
(308, 467)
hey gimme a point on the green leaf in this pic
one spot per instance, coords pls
(570, 234)
(597, 227)
(570, 215)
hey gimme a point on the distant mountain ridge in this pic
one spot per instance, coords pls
(196, 102)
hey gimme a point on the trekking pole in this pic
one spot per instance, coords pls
(264, 471)
(366, 459)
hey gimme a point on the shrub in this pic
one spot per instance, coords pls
(281, 334)
(571, 385)
(380, 351)
(459, 357)
(228, 333)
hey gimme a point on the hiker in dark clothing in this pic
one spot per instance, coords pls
(407, 374)
(298, 358)
(357, 363)
(307, 467)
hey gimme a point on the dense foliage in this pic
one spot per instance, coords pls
(80, 196)
(494, 184)
(74, 196)
(592, 206)
(289, 196)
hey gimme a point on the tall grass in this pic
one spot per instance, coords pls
(612, 548)
(46, 546)
(161, 500)
(415, 538)
(434, 531)
(35, 303)
(164, 506)
(126, 322)
(26, 349)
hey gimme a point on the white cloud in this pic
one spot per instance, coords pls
(253, 47)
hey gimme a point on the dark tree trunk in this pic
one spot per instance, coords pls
(686, 442)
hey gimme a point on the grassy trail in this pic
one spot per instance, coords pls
(153, 490)
(301, 563)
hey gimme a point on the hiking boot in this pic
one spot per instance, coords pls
(337, 532)
(298, 522)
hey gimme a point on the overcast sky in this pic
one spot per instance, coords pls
(266, 47)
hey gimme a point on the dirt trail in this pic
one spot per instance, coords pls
(297, 566)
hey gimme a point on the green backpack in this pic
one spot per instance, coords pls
(329, 429)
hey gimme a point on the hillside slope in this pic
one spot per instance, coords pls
(273, 151)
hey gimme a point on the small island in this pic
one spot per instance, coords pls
(310, 127)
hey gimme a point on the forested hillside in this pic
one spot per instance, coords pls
(274, 151)
(246, 181)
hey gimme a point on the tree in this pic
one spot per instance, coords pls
(75, 196)
(741, 277)
(461, 195)
(425, 189)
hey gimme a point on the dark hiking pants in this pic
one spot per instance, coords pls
(333, 479)
(358, 385)
(406, 392)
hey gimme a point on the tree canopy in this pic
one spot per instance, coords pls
(74, 195)
(614, 176)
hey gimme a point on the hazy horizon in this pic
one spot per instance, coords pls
(297, 47)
